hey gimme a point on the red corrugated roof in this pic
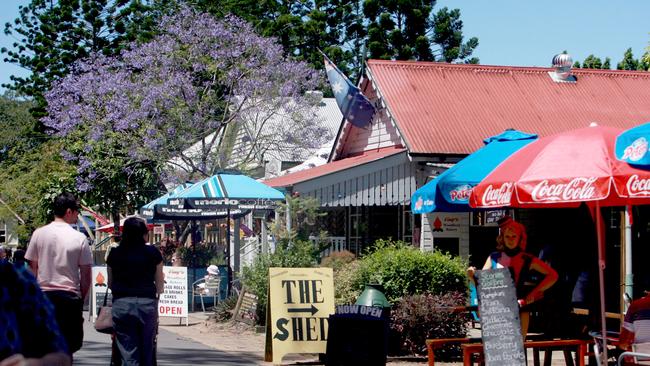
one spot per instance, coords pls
(333, 167)
(449, 109)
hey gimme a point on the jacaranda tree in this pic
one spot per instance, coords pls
(126, 118)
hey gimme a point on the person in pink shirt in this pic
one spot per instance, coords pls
(61, 260)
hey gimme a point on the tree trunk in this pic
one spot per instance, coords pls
(115, 215)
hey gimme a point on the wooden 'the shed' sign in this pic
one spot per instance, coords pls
(301, 301)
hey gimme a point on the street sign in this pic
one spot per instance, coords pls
(301, 301)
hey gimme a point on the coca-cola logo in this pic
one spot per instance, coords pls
(638, 186)
(637, 150)
(578, 189)
(498, 196)
(460, 193)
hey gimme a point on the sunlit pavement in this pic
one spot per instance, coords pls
(172, 350)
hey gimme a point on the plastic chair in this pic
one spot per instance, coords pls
(206, 287)
(638, 357)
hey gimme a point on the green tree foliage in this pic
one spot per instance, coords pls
(593, 62)
(18, 125)
(29, 183)
(402, 30)
(31, 169)
(399, 30)
(303, 27)
(630, 63)
(51, 35)
(607, 63)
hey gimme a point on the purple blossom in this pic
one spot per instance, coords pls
(157, 99)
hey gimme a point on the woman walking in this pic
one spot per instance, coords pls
(135, 278)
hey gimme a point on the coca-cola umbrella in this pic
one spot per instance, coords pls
(449, 192)
(632, 145)
(566, 170)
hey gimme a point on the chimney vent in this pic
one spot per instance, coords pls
(562, 73)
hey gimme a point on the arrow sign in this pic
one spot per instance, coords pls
(313, 310)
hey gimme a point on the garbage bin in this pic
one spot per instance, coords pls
(358, 333)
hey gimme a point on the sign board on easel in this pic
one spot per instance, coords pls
(98, 290)
(173, 301)
(246, 308)
(300, 303)
(503, 344)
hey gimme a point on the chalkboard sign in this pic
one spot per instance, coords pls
(500, 328)
(246, 308)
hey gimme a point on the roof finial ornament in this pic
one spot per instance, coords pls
(562, 63)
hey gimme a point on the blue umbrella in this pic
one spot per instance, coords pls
(232, 193)
(223, 190)
(148, 209)
(449, 192)
(632, 145)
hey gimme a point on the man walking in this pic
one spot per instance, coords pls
(60, 258)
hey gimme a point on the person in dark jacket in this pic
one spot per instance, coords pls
(135, 278)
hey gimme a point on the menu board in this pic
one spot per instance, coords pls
(246, 308)
(500, 328)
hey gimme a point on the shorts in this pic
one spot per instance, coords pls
(68, 310)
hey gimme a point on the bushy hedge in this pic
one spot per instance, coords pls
(403, 270)
(345, 266)
(417, 318)
(256, 277)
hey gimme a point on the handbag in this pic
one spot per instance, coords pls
(104, 321)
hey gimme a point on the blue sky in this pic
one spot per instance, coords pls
(530, 33)
(512, 32)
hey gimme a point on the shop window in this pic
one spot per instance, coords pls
(447, 245)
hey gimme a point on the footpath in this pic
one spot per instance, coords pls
(205, 342)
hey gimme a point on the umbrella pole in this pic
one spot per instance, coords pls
(601, 279)
(228, 249)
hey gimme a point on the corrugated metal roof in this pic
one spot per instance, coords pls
(319, 171)
(448, 108)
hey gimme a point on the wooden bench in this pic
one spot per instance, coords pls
(470, 349)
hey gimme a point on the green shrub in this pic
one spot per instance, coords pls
(404, 270)
(256, 277)
(338, 260)
(417, 318)
(346, 289)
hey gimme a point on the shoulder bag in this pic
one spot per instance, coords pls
(104, 321)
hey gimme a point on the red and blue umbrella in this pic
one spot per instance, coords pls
(632, 145)
(566, 170)
(450, 191)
